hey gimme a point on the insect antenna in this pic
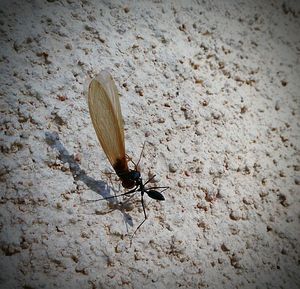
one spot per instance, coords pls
(141, 154)
(137, 164)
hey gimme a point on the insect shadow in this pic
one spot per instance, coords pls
(98, 186)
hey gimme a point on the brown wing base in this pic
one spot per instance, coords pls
(121, 169)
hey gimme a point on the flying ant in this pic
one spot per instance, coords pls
(106, 115)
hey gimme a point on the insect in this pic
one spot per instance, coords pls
(106, 115)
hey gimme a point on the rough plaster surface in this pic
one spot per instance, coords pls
(211, 86)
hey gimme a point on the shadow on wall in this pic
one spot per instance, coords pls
(100, 187)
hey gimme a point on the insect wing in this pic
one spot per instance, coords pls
(105, 111)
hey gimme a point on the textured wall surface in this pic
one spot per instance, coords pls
(213, 87)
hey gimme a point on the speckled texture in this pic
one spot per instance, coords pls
(212, 86)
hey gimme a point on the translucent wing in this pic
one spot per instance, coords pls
(105, 111)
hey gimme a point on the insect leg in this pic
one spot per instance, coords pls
(164, 188)
(145, 215)
(149, 180)
(109, 176)
(112, 197)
